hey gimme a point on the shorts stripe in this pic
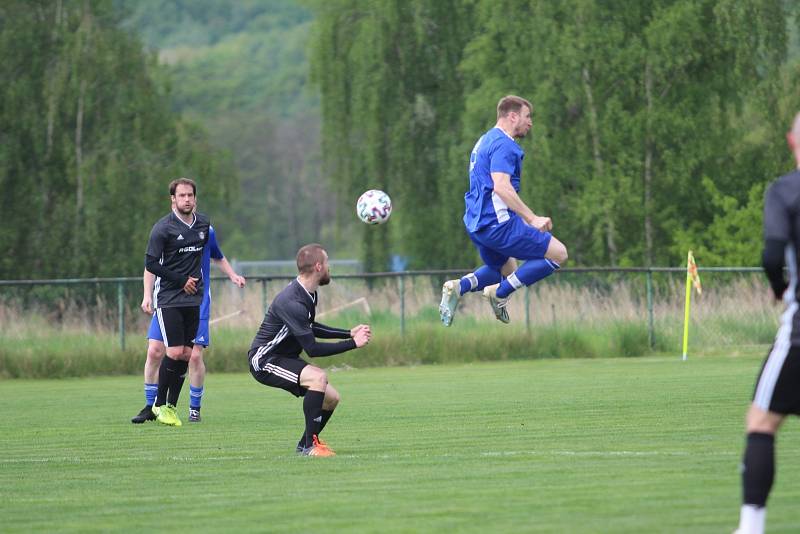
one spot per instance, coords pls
(775, 360)
(281, 372)
(282, 333)
(161, 327)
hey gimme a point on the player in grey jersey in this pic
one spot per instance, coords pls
(290, 327)
(777, 391)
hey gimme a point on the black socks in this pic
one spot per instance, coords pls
(312, 408)
(171, 375)
(758, 469)
(326, 415)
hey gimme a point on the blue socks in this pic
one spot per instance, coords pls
(195, 397)
(531, 272)
(150, 391)
(482, 277)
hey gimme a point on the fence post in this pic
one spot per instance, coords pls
(528, 308)
(121, 313)
(264, 295)
(402, 305)
(651, 335)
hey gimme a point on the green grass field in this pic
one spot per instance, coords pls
(605, 445)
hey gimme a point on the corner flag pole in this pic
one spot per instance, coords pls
(692, 278)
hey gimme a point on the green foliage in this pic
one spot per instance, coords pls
(89, 143)
(241, 69)
(635, 104)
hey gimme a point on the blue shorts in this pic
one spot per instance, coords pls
(511, 239)
(203, 335)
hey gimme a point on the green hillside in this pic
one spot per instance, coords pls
(240, 68)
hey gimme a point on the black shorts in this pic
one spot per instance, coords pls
(279, 372)
(778, 385)
(178, 325)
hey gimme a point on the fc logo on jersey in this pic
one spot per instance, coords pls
(202, 235)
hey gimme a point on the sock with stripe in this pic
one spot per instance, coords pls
(482, 277)
(531, 272)
(150, 392)
(312, 409)
(326, 415)
(195, 397)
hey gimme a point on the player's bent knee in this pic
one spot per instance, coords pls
(314, 378)
(332, 397)
(557, 252)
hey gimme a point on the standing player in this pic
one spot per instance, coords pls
(290, 327)
(155, 342)
(174, 256)
(777, 392)
(498, 222)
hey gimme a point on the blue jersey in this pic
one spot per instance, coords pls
(211, 251)
(495, 151)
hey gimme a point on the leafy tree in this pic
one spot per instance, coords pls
(88, 143)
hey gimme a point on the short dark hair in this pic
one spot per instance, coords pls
(173, 185)
(308, 256)
(511, 103)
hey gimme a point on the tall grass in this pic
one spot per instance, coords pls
(568, 316)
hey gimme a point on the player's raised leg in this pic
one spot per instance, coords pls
(452, 290)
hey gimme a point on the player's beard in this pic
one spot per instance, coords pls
(325, 279)
(186, 210)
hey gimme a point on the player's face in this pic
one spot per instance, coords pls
(184, 199)
(325, 273)
(524, 121)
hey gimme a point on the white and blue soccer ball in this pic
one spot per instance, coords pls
(374, 207)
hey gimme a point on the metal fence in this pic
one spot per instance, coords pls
(396, 283)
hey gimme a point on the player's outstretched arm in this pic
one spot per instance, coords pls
(324, 331)
(315, 349)
(226, 268)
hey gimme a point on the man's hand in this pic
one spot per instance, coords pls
(238, 280)
(362, 335)
(357, 329)
(543, 224)
(190, 287)
(147, 304)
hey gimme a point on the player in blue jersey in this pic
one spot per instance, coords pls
(501, 226)
(155, 345)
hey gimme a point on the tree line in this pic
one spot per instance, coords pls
(88, 143)
(657, 123)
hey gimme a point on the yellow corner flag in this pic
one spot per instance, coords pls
(692, 279)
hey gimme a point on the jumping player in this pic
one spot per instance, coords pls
(499, 223)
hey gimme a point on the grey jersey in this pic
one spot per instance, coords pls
(179, 248)
(782, 223)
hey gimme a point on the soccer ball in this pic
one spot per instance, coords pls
(374, 207)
